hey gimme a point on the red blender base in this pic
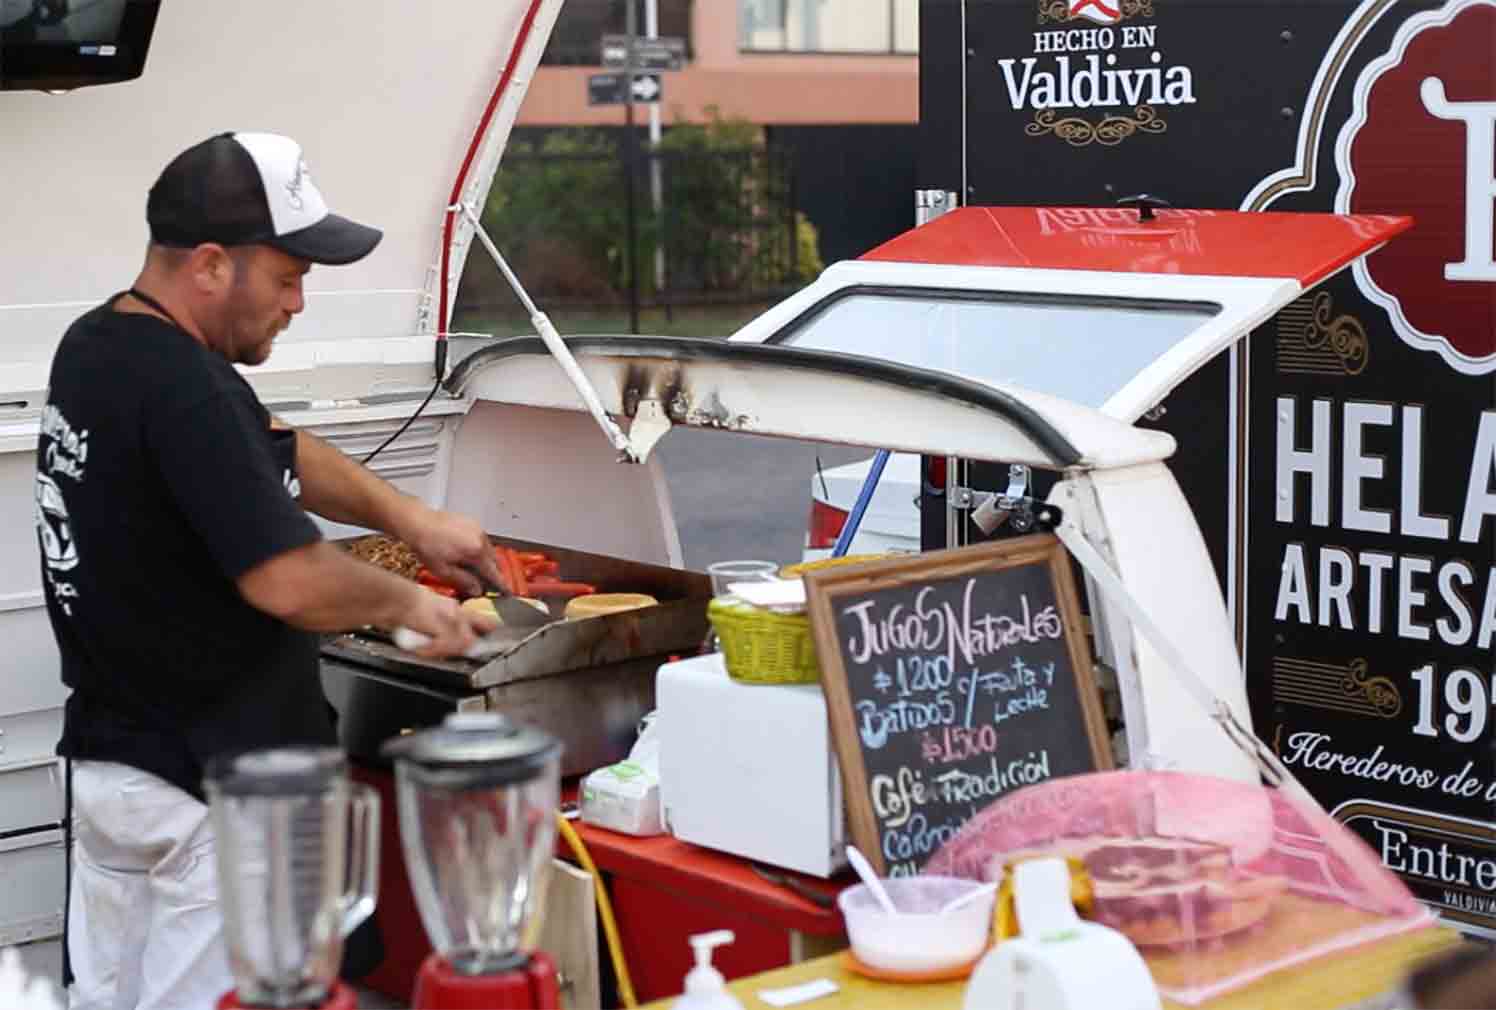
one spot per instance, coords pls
(530, 986)
(341, 998)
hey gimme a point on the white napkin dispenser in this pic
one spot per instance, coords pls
(1059, 961)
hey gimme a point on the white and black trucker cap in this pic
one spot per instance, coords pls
(251, 188)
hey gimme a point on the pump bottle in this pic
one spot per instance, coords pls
(706, 989)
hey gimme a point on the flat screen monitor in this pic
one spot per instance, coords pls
(58, 45)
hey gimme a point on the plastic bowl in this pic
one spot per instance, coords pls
(918, 938)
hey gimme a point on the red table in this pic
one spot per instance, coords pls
(663, 890)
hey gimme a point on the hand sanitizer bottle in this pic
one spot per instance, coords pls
(706, 989)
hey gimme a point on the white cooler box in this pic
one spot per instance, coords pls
(748, 768)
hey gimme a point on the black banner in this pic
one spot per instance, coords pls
(1343, 463)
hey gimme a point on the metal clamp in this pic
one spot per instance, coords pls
(1013, 506)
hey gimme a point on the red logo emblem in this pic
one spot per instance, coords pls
(1095, 10)
(1422, 141)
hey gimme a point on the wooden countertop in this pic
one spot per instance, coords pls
(1333, 982)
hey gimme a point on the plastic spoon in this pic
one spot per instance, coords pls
(969, 896)
(870, 878)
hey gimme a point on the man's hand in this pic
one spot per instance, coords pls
(451, 629)
(321, 588)
(450, 544)
(338, 488)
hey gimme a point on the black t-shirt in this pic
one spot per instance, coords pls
(160, 482)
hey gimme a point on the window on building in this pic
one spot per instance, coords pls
(582, 24)
(829, 26)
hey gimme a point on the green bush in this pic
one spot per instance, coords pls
(556, 213)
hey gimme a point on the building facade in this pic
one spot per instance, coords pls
(772, 62)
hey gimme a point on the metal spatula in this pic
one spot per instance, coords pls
(514, 612)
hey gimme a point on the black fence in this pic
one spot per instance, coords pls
(587, 233)
(727, 222)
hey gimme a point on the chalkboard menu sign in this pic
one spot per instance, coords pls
(952, 679)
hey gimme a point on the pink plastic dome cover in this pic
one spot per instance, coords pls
(1264, 831)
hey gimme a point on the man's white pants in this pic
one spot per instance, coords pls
(144, 928)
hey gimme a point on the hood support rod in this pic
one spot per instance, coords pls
(1213, 707)
(1357, 859)
(553, 342)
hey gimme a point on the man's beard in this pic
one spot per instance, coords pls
(249, 347)
(257, 353)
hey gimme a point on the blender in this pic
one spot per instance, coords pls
(477, 797)
(296, 873)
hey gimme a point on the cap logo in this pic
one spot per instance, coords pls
(293, 186)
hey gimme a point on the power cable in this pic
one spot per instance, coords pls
(408, 422)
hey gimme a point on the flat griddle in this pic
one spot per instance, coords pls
(677, 624)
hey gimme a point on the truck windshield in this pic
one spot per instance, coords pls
(1081, 349)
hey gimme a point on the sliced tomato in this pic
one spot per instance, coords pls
(430, 581)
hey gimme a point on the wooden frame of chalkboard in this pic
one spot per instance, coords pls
(971, 663)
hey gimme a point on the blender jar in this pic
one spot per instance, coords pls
(293, 879)
(477, 799)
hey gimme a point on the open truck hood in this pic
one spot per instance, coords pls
(384, 95)
(1094, 306)
(812, 395)
(1015, 334)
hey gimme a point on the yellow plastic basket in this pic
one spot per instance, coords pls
(764, 647)
(796, 570)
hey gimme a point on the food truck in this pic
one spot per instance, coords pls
(894, 351)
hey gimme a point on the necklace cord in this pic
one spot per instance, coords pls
(152, 303)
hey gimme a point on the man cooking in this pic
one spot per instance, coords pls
(185, 583)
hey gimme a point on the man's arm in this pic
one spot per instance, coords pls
(321, 588)
(229, 488)
(338, 488)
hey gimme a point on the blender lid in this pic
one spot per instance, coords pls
(479, 742)
(282, 771)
